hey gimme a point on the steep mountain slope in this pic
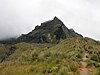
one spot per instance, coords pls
(49, 32)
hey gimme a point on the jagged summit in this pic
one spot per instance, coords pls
(49, 24)
(49, 32)
(56, 18)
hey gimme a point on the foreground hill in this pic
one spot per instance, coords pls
(52, 59)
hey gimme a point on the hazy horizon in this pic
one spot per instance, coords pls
(21, 16)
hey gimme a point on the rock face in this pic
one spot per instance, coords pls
(49, 32)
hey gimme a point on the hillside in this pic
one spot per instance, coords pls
(53, 59)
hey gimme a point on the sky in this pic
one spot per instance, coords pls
(21, 16)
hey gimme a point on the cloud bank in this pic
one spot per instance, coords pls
(21, 16)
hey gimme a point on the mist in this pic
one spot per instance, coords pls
(21, 16)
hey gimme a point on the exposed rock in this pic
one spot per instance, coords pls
(49, 32)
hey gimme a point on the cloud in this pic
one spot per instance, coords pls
(21, 16)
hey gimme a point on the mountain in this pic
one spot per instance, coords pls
(50, 49)
(49, 32)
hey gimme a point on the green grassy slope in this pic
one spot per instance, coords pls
(51, 59)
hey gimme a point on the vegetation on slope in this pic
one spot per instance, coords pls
(51, 59)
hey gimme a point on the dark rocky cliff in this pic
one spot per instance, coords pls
(49, 32)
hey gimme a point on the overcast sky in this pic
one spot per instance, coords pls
(21, 16)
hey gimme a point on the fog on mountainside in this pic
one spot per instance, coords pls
(21, 16)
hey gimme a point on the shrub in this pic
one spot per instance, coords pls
(78, 55)
(98, 71)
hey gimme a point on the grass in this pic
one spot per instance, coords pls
(50, 59)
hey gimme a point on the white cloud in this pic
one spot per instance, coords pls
(20, 16)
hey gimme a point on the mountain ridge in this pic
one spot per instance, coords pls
(51, 31)
(48, 32)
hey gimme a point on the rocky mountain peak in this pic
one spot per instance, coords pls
(49, 32)
(56, 19)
